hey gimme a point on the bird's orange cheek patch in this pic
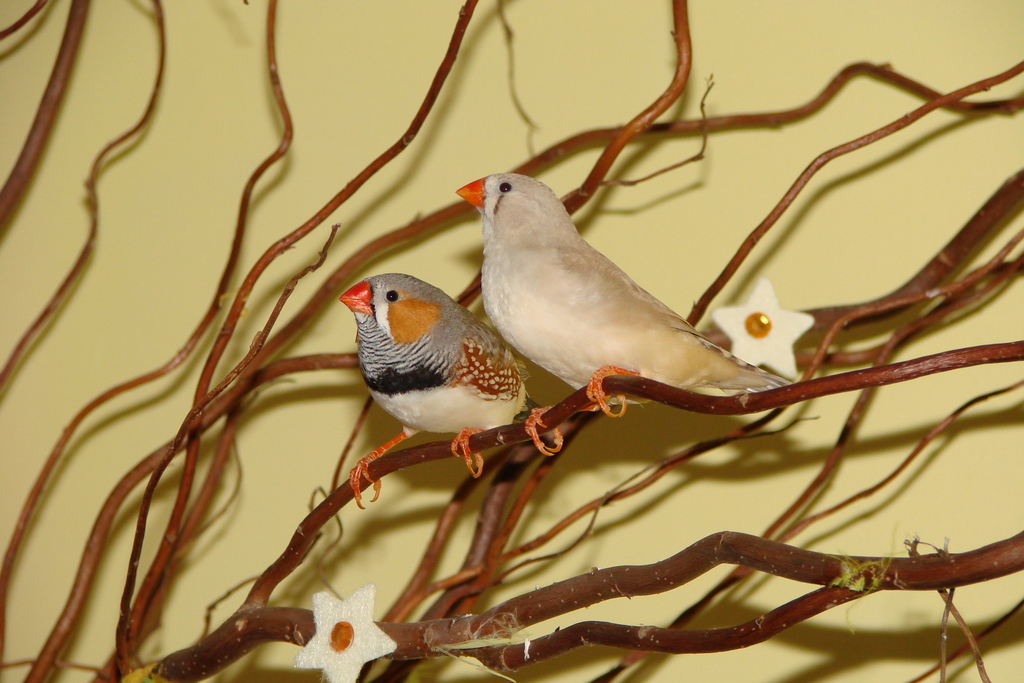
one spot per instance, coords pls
(410, 319)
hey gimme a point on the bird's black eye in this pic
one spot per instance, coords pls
(505, 187)
(391, 296)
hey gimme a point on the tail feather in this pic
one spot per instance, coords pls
(748, 378)
(751, 380)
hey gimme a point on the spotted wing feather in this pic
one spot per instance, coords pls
(489, 368)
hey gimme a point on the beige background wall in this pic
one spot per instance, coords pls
(354, 74)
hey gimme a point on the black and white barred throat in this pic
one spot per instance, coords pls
(391, 368)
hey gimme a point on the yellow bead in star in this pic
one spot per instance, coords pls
(341, 636)
(758, 325)
(346, 636)
(762, 332)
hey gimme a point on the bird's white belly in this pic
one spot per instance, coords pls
(552, 339)
(570, 333)
(556, 331)
(447, 409)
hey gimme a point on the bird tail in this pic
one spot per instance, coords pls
(750, 379)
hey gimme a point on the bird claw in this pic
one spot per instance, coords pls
(361, 470)
(460, 449)
(595, 390)
(533, 427)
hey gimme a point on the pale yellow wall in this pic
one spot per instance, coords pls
(354, 73)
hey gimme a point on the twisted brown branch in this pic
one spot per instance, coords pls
(28, 159)
(798, 185)
(252, 625)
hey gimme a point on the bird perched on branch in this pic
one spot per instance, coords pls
(568, 308)
(432, 365)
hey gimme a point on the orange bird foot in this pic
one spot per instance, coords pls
(534, 427)
(460, 449)
(595, 390)
(360, 471)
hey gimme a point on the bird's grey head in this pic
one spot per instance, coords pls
(520, 208)
(407, 331)
(402, 306)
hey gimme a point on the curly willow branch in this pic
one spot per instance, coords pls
(518, 470)
(838, 575)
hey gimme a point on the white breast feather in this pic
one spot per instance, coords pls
(447, 409)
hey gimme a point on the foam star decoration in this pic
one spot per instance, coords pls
(346, 637)
(762, 332)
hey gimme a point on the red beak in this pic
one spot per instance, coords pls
(358, 297)
(473, 193)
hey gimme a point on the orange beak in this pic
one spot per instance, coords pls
(358, 297)
(473, 193)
